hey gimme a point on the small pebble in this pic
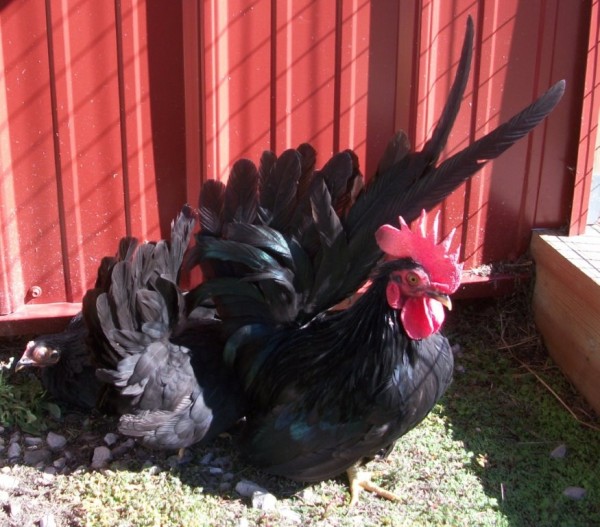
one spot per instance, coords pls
(8, 482)
(110, 439)
(207, 458)
(56, 441)
(101, 457)
(123, 448)
(46, 479)
(221, 462)
(247, 488)
(14, 508)
(264, 501)
(48, 521)
(290, 515)
(154, 470)
(559, 452)
(59, 463)
(308, 496)
(14, 451)
(33, 441)
(128, 443)
(575, 493)
(35, 457)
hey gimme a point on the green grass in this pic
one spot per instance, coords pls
(481, 458)
(122, 498)
(23, 404)
(510, 422)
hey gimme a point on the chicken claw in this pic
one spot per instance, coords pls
(359, 480)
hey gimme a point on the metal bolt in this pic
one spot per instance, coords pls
(35, 291)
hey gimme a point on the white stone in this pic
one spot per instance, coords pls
(290, 515)
(110, 439)
(247, 488)
(8, 482)
(15, 508)
(48, 521)
(264, 501)
(46, 479)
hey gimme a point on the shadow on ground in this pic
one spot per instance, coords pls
(502, 408)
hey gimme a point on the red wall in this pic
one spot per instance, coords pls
(113, 113)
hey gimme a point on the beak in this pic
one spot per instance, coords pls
(23, 363)
(441, 298)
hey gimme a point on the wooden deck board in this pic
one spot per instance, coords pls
(566, 305)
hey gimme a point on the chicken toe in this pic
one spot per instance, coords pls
(359, 480)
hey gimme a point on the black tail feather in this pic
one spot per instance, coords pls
(241, 193)
(328, 229)
(429, 191)
(278, 194)
(212, 199)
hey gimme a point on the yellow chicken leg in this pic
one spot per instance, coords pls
(359, 480)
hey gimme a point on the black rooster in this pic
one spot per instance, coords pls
(282, 244)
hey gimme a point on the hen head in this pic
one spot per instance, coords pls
(420, 289)
(38, 354)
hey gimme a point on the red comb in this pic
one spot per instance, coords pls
(436, 258)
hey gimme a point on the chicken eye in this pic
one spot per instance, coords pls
(412, 278)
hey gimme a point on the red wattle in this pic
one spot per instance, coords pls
(421, 317)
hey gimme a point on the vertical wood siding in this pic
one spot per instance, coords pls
(112, 113)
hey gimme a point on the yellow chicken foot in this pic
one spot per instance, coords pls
(359, 480)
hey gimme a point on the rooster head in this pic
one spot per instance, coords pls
(421, 289)
(39, 355)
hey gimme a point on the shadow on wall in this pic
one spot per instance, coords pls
(166, 77)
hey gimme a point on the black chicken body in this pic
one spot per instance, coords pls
(341, 387)
(66, 360)
(66, 369)
(165, 363)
